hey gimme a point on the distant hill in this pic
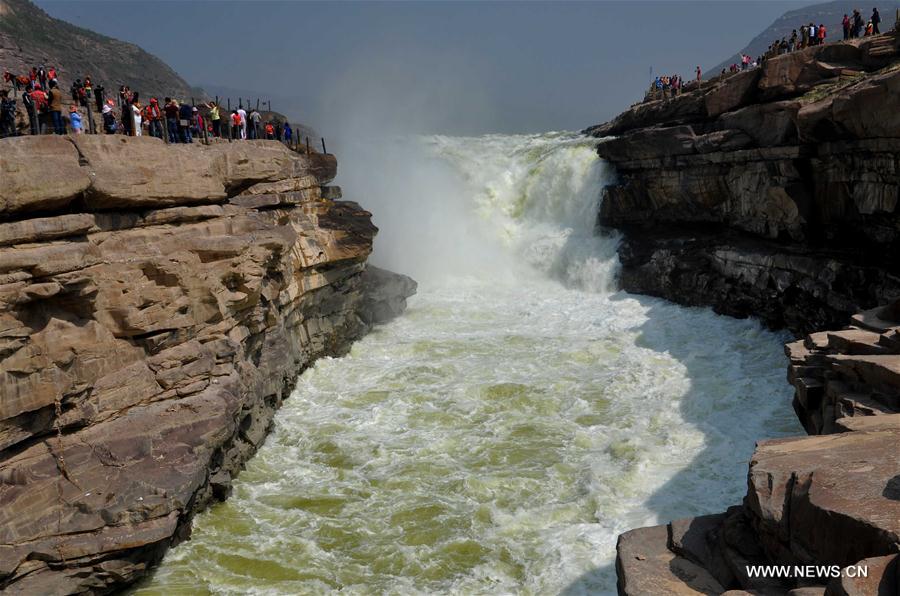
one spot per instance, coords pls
(830, 14)
(30, 37)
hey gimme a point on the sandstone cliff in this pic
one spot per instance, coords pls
(156, 305)
(774, 193)
(771, 193)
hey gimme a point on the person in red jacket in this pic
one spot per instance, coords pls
(235, 125)
(171, 110)
(154, 117)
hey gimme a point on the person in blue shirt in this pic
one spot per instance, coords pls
(75, 120)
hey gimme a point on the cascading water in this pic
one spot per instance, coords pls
(499, 436)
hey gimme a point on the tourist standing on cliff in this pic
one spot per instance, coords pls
(55, 106)
(171, 110)
(109, 119)
(235, 125)
(857, 24)
(845, 23)
(28, 102)
(154, 118)
(7, 115)
(216, 118)
(288, 133)
(876, 20)
(136, 112)
(820, 34)
(243, 114)
(75, 120)
(185, 113)
(255, 119)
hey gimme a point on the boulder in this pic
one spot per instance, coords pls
(876, 576)
(645, 565)
(862, 110)
(734, 92)
(384, 294)
(827, 500)
(143, 172)
(39, 174)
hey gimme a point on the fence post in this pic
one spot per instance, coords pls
(324, 150)
(90, 116)
(307, 145)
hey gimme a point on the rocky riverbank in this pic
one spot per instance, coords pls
(773, 193)
(156, 306)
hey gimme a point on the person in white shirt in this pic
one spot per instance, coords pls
(243, 114)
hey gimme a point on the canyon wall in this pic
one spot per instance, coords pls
(156, 306)
(773, 193)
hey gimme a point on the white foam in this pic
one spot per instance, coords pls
(498, 437)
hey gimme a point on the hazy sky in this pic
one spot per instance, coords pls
(454, 67)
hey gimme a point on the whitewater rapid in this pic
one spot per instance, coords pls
(499, 436)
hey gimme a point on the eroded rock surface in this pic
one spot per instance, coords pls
(769, 193)
(156, 306)
(773, 193)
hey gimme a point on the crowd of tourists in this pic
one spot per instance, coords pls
(667, 86)
(807, 36)
(853, 26)
(125, 113)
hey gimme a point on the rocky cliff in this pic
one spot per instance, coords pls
(156, 306)
(771, 193)
(830, 14)
(774, 193)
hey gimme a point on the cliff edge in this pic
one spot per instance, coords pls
(156, 306)
(773, 193)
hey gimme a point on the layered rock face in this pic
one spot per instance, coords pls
(156, 306)
(771, 193)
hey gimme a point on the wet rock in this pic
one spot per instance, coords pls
(384, 294)
(645, 565)
(879, 579)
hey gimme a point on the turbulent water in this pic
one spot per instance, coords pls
(499, 436)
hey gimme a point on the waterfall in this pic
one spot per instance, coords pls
(499, 436)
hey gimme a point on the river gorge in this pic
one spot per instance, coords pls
(523, 412)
